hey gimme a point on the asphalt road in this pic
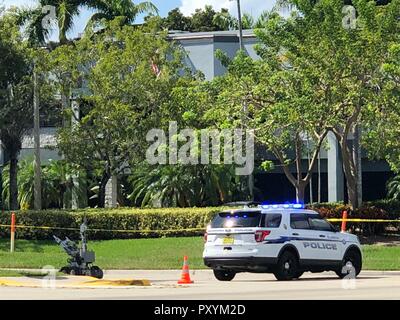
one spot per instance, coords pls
(369, 285)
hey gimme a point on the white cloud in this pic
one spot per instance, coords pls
(254, 7)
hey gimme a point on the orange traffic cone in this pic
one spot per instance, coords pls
(185, 278)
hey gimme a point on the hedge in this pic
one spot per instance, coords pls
(167, 219)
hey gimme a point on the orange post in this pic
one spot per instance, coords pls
(13, 223)
(344, 221)
(185, 278)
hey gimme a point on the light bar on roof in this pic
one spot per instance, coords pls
(283, 206)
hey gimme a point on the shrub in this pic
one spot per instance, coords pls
(118, 219)
(369, 210)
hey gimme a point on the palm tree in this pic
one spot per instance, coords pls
(184, 186)
(247, 21)
(32, 19)
(67, 10)
(393, 188)
(57, 184)
(110, 9)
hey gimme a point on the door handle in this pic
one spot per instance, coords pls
(322, 236)
(295, 234)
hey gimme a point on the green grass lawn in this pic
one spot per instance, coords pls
(164, 253)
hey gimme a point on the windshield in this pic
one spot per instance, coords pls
(241, 219)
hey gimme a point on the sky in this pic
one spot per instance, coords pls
(254, 7)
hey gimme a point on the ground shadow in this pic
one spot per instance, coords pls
(26, 246)
(310, 279)
(385, 240)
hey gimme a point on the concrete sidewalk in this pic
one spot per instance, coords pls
(369, 285)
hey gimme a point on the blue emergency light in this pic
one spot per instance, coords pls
(283, 206)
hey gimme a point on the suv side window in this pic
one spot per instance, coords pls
(320, 224)
(299, 221)
(272, 220)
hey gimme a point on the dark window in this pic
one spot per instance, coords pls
(237, 219)
(51, 116)
(319, 223)
(272, 220)
(299, 221)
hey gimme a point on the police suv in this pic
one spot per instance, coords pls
(285, 240)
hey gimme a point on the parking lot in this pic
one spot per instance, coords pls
(369, 285)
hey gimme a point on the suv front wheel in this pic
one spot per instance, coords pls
(287, 267)
(351, 265)
(224, 275)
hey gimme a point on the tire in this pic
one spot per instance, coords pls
(224, 275)
(96, 272)
(75, 271)
(287, 267)
(351, 264)
(298, 274)
(66, 270)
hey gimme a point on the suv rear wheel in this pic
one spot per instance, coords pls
(224, 275)
(351, 264)
(287, 267)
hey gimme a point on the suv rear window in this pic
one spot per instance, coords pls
(239, 219)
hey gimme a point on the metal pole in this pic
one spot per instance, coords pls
(319, 177)
(12, 234)
(309, 162)
(36, 138)
(240, 26)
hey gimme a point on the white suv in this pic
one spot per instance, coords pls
(285, 240)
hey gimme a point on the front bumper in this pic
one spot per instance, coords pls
(254, 264)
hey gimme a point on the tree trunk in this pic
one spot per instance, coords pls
(102, 189)
(300, 191)
(13, 201)
(350, 172)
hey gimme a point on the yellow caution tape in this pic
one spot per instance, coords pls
(101, 230)
(177, 230)
(362, 220)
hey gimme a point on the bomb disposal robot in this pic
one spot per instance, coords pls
(81, 260)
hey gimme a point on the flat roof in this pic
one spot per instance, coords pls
(183, 35)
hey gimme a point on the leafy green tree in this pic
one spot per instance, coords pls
(175, 20)
(324, 68)
(383, 135)
(208, 19)
(263, 95)
(16, 112)
(203, 20)
(129, 72)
